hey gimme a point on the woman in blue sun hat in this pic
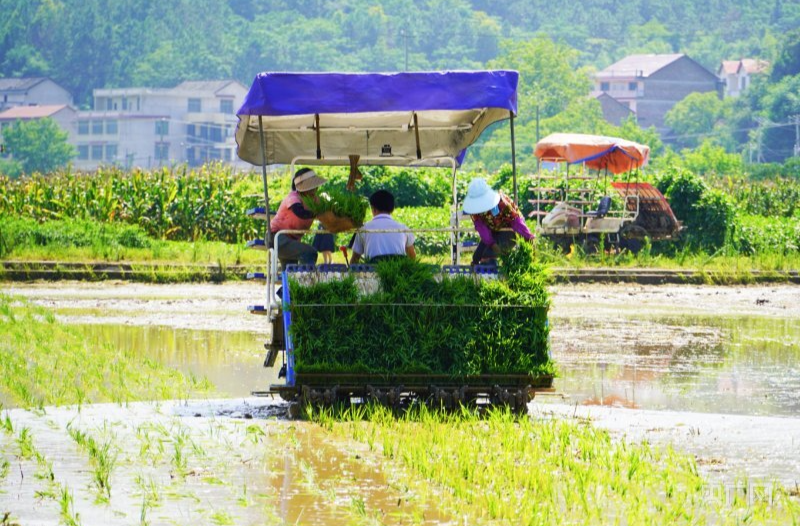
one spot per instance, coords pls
(496, 218)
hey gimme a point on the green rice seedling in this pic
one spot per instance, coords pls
(340, 203)
(243, 499)
(27, 451)
(512, 470)
(103, 458)
(149, 489)
(43, 362)
(358, 506)
(6, 425)
(222, 518)
(67, 507)
(4, 467)
(179, 459)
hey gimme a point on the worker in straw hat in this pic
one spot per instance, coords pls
(293, 215)
(496, 218)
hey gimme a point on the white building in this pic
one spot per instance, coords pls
(193, 122)
(63, 114)
(32, 91)
(737, 74)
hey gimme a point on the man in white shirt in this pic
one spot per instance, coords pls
(383, 245)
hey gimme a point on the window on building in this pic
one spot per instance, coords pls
(226, 106)
(83, 152)
(97, 127)
(215, 133)
(83, 127)
(124, 103)
(604, 86)
(111, 152)
(194, 106)
(162, 127)
(632, 86)
(109, 104)
(97, 152)
(162, 151)
(111, 127)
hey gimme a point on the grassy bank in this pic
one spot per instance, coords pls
(43, 362)
(503, 470)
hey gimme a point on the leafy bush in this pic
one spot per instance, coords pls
(25, 232)
(707, 214)
(456, 325)
(427, 243)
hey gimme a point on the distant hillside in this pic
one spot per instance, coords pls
(86, 44)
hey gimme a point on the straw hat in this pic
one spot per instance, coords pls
(308, 181)
(480, 197)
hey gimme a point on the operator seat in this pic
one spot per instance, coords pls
(602, 208)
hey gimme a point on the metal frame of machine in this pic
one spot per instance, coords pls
(396, 119)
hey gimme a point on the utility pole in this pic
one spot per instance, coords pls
(762, 123)
(795, 119)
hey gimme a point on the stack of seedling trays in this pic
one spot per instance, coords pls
(420, 333)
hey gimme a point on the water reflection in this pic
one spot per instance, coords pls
(697, 363)
(232, 361)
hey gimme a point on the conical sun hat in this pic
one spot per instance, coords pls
(480, 197)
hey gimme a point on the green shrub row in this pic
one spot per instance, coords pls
(25, 232)
(417, 324)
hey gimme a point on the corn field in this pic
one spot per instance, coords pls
(174, 204)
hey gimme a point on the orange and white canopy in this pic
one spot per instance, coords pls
(596, 151)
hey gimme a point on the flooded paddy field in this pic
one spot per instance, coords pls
(711, 370)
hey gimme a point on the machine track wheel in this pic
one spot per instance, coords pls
(632, 237)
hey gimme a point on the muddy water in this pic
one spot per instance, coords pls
(231, 360)
(686, 348)
(713, 364)
(171, 467)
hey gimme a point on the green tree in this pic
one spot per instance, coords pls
(38, 145)
(782, 102)
(788, 61)
(711, 159)
(696, 117)
(549, 76)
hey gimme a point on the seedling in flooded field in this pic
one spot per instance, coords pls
(521, 471)
(4, 468)
(103, 458)
(68, 515)
(25, 444)
(47, 363)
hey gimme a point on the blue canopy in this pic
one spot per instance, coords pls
(385, 118)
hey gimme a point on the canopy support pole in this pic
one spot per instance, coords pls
(513, 158)
(263, 142)
(454, 237)
(267, 231)
(316, 127)
(416, 135)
